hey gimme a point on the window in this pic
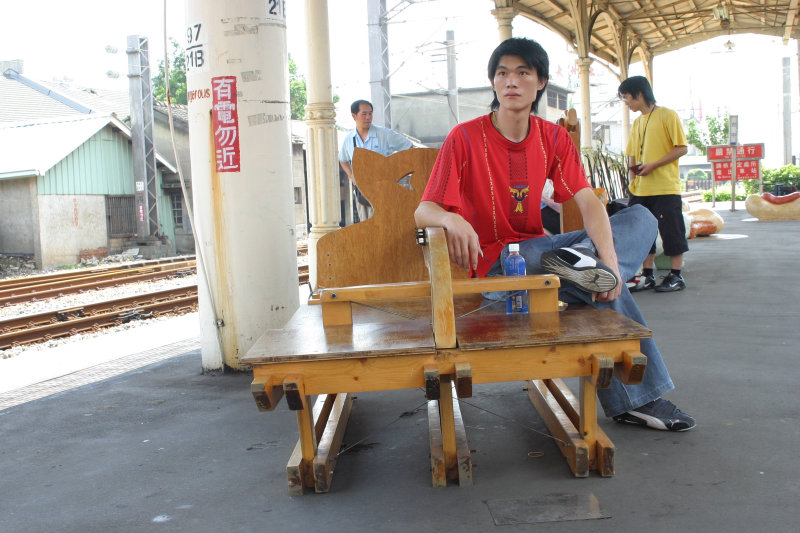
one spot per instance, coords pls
(177, 210)
(121, 215)
(298, 195)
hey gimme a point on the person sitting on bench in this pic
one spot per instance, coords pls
(485, 190)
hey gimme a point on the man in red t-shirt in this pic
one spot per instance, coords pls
(485, 190)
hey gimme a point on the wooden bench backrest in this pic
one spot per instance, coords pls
(381, 249)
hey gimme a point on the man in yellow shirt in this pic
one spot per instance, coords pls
(655, 143)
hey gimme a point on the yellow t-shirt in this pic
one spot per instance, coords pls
(652, 136)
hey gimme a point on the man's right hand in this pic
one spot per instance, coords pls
(463, 244)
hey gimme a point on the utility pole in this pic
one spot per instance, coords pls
(787, 114)
(142, 140)
(452, 86)
(381, 94)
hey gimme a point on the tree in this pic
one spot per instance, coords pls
(177, 77)
(297, 92)
(714, 133)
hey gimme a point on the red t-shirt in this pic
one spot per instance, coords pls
(496, 184)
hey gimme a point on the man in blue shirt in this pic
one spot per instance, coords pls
(381, 140)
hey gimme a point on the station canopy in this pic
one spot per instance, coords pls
(642, 29)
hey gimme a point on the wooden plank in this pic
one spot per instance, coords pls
(570, 443)
(331, 441)
(463, 380)
(293, 388)
(602, 459)
(407, 372)
(543, 301)
(588, 412)
(367, 253)
(443, 316)
(295, 467)
(631, 370)
(266, 394)
(447, 421)
(307, 339)
(336, 313)
(432, 382)
(383, 292)
(604, 454)
(602, 370)
(464, 458)
(438, 469)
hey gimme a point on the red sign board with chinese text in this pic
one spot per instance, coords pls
(743, 151)
(225, 123)
(745, 170)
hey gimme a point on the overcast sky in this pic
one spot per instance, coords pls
(58, 38)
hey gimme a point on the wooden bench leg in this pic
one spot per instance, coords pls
(438, 470)
(331, 441)
(463, 457)
(599, 448)
(450, 456)
(561, 426)
(296, 467)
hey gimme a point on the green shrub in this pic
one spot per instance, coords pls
(724, 195)
(786, 175)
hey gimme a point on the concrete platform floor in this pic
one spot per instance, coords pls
(163, 447)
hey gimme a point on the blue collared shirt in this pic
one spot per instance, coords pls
(379, 139)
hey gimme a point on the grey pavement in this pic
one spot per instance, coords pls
(163, 447)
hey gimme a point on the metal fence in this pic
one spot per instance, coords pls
(121, 215)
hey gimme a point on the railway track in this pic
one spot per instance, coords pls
(30, 329)
(34, 288)
(66, 322)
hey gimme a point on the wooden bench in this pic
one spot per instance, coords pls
(391, 312)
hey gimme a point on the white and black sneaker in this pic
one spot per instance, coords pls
(580, 266)
(658, 414)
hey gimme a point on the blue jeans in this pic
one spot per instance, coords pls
(634, 230)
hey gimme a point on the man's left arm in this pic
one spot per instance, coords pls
(597, 225)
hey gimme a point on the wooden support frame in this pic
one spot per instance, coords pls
(266, 393)
(315, 469)
(449, 448)
(585, 446)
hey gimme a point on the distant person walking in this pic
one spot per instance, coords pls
(376, 138)
(655, 143)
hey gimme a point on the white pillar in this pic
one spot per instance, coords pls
(586, 104)
(244, 217)
(322, 152)
(504, 16)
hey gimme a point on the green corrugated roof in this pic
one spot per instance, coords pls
(32, 148)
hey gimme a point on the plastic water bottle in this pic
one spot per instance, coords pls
(517, 301)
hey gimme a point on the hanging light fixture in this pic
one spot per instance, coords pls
(721, 14)
(729, 45)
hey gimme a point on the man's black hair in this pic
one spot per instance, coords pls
(355, 107)
(531, 53)
(636, 85)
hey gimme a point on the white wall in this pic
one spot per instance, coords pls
(69, 224)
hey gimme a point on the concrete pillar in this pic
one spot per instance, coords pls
(586, 104)
(504, 16)
(322, 152)
(238, 93)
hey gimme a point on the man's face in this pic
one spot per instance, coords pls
(364, 117)
(516, 84)
(634, 104)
